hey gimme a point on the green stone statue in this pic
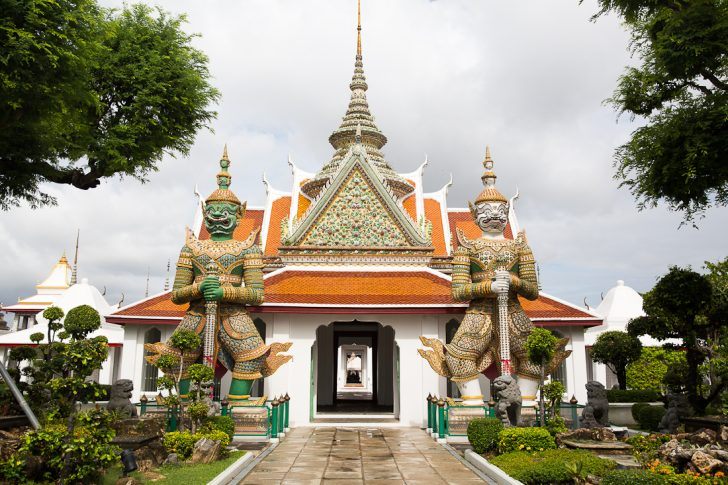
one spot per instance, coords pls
(218, 277)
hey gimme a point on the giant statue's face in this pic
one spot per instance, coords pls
(491, 217)
(221, 218)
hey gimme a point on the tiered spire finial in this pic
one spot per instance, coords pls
(358, 28)
(223, 192)
(344, 136)
(74, 271)
(490, 193)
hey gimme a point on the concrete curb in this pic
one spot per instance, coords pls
(493, 472)
(227, 474)
(242, 471)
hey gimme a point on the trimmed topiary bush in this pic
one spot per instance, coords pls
(525, 439)
(483, 434)
(637, 409)
(180, 442)
(633, 395)
(650, 416)
(551, 466)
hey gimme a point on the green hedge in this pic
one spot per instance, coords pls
(483, 434)
(633, 395)
(525, 439)
(646, 477)
(649, 417)
(222, 423)
(551, 466)
(183, 442)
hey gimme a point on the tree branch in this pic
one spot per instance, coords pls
(70, 176)
(714, 79)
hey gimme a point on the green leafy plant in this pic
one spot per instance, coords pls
(637, 409)
(648, 372)
(483, 434)
(649, 417)
(525, 439)
(225, 424)
(541, 347)
(183, 442)
(645, 448)
(74, 446)
(551, 466)
(556, 424)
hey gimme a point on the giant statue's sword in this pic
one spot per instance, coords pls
(505, 343)
(210, 322)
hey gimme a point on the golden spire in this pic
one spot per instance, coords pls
(489, 193)
(358, 28)
(224, 153)
(223, 192)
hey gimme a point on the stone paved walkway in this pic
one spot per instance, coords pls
(360, 456)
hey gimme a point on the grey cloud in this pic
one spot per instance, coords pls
(446, 78)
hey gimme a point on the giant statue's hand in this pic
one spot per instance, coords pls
(501, 283)
(210, 288)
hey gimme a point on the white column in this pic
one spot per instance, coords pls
(578, 364)
(278, 329)
(131, 361)
(107, 368)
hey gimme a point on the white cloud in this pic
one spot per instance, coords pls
(446, 78)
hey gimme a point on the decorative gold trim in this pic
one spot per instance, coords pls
(467, 398)
(238, 396)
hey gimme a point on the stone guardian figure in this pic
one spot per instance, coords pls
(229, 272)
(482, 269)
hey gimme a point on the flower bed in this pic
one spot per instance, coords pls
(551, 466)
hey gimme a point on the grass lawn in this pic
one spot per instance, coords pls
(185, 473)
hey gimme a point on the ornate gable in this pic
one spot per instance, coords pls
(356, 211)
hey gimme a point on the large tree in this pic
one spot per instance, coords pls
(692, 308)
(87, 93)
(680, 89)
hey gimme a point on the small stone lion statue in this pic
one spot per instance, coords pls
(596, 411)
(677, 407)
(508, 408)
(120, 400)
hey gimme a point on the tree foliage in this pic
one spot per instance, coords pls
(691, 307)
(87, 93)
(541, 348)
(617, 350)
(649, 371)
(680, 88)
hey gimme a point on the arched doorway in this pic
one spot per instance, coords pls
(354, 369)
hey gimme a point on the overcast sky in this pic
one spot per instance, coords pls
(445, 78)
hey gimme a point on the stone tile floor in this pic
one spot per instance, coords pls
(360, 456)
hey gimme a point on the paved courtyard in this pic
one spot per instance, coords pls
(360, 456)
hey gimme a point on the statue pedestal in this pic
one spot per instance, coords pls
(250, 420)
(458, 418)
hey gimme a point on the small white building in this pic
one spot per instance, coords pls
(57, 290)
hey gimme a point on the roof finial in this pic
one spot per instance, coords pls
(224, 153)
(74, 273)
(166, 280)
(489, 193)
(358, 28)
(146, 291)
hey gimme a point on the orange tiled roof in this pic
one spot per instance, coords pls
(398, 289)
(303, 204)
(361, 288)
(434, 215)
(279, 210)
(410, 206)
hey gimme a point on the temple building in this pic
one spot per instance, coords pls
(357, 266)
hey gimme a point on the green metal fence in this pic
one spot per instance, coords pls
(270, 420)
